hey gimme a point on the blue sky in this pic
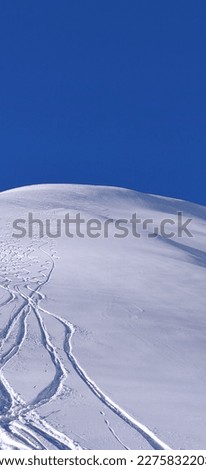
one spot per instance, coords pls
(104, 92)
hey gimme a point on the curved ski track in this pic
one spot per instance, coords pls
(20, 425)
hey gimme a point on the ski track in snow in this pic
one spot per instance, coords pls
(113, 432)
(20, 425)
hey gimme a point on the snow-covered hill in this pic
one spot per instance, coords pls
(102, 339)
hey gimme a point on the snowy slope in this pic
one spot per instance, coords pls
(102, 340)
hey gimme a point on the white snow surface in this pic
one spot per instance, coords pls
(102, 340)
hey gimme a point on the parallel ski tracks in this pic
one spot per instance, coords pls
(20, 419)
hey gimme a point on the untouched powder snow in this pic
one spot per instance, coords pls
(102, 339)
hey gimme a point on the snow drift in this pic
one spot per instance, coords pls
(102, 339)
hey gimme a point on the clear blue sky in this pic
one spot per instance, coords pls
(104, 92)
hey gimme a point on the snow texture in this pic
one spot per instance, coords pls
(102, 339)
